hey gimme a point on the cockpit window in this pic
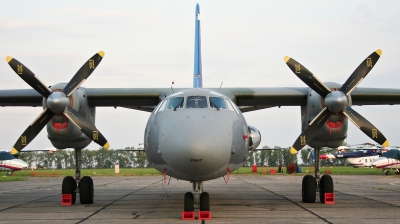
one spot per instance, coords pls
(174, 103)
(217, 102)
(196, 102)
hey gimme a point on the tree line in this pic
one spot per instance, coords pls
(107, 158)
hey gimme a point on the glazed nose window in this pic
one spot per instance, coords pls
(196, 102)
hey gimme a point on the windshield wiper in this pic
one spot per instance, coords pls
(180, 103)
(213, 104)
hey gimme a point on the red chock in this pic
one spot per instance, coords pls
(66, 199)
(329, 198)
(204, 215)
(188, 215)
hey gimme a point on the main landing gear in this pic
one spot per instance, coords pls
(75, 185)
(311, 185)
(197, 199)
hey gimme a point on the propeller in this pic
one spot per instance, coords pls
(335, 101)
(57, 102)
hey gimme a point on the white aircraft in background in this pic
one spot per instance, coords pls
(391, 160)
(10, 164)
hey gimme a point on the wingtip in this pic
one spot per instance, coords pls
(106, 146)
(8, 59)
(386, 143)
(14, 151)
(286, 58)
(379, 52)
(101, 53)
(293, 150)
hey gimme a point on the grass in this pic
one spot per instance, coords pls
(24, 174)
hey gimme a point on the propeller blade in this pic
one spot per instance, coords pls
(83, 73)
(32, 131)
(312, 129)
(28, 76)
(365, 126)
(86, 127)
(309, 153)
(307, 77)
(361, 71)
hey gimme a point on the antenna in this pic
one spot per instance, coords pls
(220, 86)
(172, 89)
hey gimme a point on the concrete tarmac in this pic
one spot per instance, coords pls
(245, 199)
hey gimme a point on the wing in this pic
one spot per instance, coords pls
(247, 99)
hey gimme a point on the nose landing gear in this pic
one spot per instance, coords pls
(199, 200)
(313, 184)
(75, 185)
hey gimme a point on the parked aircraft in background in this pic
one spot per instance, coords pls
(198, 134)
(361, 154)
(389, 161)
(10, 164)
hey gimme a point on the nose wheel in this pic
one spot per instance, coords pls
(313, 184)
(199, 200)
(84, 186)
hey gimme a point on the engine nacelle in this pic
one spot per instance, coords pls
(254, 137)
(62, 132)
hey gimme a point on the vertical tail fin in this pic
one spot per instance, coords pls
(197, 79)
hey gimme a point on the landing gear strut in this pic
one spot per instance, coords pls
(82, 186)
(197, 199)
(313, 184)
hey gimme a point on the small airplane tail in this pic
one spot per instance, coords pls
(197, 78)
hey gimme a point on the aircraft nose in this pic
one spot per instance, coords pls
(197, 144)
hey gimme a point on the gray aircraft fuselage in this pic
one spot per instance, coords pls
(190, 139)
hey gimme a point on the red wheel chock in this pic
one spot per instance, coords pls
(329, 198)
(204, 215)
(188, 215)
(66, 199)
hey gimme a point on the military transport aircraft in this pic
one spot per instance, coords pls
(197, 134)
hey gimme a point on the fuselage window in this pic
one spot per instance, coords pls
(176, 102)
(230, 107)
(217, 102)
(158, 108)
(162, 107)
(234, 107)
(196, 102)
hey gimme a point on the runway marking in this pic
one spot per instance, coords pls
(102, 208)
(299, 205)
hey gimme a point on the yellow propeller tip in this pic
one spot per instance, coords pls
(293, 150)
(379, 52)
(386, 143)
(101, 53)
(14, 151)
(286, 58)
(106, 146)
(9, 58)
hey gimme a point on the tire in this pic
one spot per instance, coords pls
(387, 172)
(325, 186)
(188, 202)
(86, 190)
(309, 188)
(69, 187)
(204, 202)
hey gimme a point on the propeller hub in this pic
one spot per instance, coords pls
(336, 101)
(57, 102)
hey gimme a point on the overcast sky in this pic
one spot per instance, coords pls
(151, 43)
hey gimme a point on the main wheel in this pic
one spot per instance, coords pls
(309, 188)
(69, 187)
(325, 186)
(204, 202)
(188, 202)
(387, 172)
(86, 190)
